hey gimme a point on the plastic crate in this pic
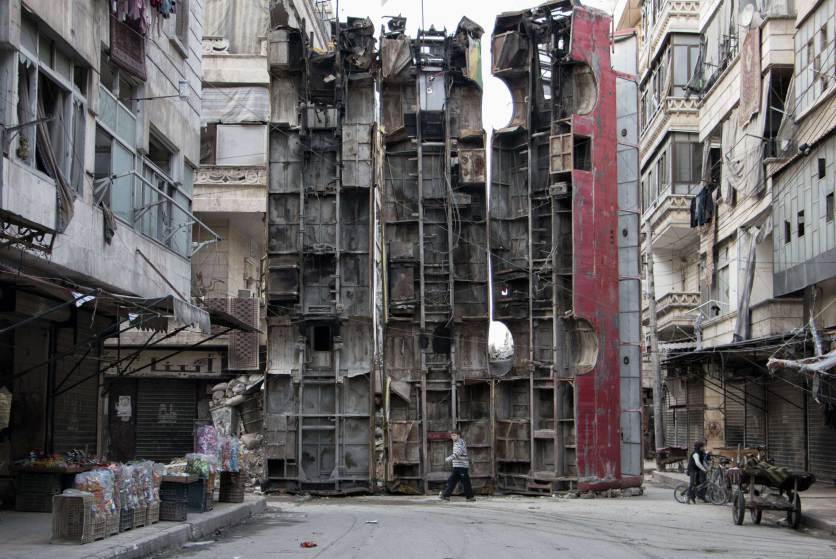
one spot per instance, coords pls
(174, 511)
(28, 482)
(231, 488)
(33, 502)
(73, 520)
(140, 513)
(152, 516)
(199, 499)
(175, 492)
(126, 520)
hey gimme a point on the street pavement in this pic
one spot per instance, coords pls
(390, 527)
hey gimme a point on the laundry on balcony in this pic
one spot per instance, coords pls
(702, 207)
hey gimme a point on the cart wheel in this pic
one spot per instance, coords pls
(794, 515)
(756, 515)
(738, 508)
(681, 493)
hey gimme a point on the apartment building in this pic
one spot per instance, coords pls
(100, 127)
(724, 302)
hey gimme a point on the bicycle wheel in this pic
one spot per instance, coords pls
(716, 495)
(681, 493)
(738, 507)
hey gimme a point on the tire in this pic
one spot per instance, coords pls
(681, 493)
(756, 515)
(794, 516)
(716, 495)
(738, 508)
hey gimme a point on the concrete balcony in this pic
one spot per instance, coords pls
(776, 316)
(673, 319)
(670, 221)
(674, 16)
(230, 189)
(675, 113)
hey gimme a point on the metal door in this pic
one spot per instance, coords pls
(165, 414)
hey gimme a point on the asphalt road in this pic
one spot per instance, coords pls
(649, 526)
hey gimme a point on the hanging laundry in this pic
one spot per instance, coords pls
(702, 207)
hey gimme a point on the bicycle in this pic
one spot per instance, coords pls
(714, 486)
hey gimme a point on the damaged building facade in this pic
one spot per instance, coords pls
(567, 414)
(436, 313)
(320, 244)
(736, 156)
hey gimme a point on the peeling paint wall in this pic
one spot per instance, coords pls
(554, 252)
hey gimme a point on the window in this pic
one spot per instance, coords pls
(181, 26)
(662, 171)
(322, 339)
(801, 223)
(822, 167)
(720, 289)
(51, 85)
(685, 58)
(787, 232)
(241, 144)
(828, 207)
(687, 159)
(582, 153)
(114, 160)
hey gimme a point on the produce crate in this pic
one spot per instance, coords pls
(174, 511)
(28, 482)
(33, 502)
(73, 520)
(113, 523)
(126, 519)
(199, 500)
(140, 513)
(153, 514)
(231, 488)
(174, 492)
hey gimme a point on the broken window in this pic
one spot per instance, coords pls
(322, 338)
(686, 53)
(720, 287)
(800, 223)
(582, 147)
(113, 165)
(787, 232)
(51, 85)
(829, 207)
(822, 167)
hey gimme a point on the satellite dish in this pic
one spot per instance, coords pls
(500, 349)
(747, 14)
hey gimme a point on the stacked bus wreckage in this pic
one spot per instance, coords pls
(379, 233)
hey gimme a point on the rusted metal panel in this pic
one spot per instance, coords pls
(472, 166)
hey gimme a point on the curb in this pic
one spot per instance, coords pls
(664, 479)
(184, 532)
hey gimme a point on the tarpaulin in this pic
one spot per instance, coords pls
(235, 104)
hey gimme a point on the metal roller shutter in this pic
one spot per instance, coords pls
(785, 438)
(821, 441)
(735, 413)
(755, 434)
(76, 385)
(696, 412)
(165, 414)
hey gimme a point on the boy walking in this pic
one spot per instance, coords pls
(461, 469)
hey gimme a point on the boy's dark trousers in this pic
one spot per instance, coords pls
(459, 474)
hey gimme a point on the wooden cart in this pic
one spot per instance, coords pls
(758, 495)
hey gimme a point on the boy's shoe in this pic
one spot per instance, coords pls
(443, 498)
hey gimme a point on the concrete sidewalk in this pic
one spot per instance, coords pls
(818, 504)
(26, 535)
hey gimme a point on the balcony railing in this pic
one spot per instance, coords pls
(676, 15)
(674, 319)
(676, 112)
(670, 222)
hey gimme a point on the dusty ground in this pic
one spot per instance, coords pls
(653, 525)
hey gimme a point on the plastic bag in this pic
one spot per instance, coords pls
(207, 440)
(229, 450)
(144, 478)
(201, 464)
(98, 483)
